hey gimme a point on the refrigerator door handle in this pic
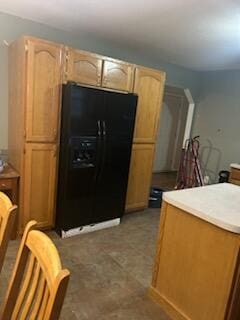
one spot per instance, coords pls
(104, 128)
(99, 149)
(103, 149)
(104, 140)
(99, 128)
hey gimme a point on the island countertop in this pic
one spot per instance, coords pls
(235, 165)
(218, 204)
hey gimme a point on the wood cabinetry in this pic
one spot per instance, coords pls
(140, 176)
(37, 69)
(43, 78)
(117, 75)
(39, 181)
(96, 70)
(197, 268)
(148, 85)
(235, 176)
(235, 181)
(34, 104)
(83, 67)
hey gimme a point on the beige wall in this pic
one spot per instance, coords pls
(217, 121)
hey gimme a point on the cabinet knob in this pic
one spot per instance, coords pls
(3, 185)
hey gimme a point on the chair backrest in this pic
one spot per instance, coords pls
(7, 218)
(38, 283)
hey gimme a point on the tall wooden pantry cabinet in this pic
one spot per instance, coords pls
(148, 85)
(35, 78)
(37, 70)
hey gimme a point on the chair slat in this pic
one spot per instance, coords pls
(43, 307)
(24, 288)
(38, 283)
(39, 298)
(31, 292)
(7, 218)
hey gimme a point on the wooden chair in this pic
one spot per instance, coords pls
(7, 218)
(38, 283)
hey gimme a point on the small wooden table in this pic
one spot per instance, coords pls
(9, 185)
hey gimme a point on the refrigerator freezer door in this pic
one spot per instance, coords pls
(117, 128)
(80, 155)
(86, 109)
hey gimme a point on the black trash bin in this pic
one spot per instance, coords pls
(155, 198)
(223, 176)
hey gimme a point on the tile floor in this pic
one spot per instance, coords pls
(110, 270)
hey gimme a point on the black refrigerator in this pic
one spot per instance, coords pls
(95, 148)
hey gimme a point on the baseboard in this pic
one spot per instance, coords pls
(172, 311)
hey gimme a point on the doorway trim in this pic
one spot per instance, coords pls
(184, 94)
(186, 97)
(190, 114)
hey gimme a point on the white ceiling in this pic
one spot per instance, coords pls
(197, 34)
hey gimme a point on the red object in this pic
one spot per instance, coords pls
(190, 173)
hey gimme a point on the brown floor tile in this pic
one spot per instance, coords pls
(110, 270)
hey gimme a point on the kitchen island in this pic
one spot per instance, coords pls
(197, 268)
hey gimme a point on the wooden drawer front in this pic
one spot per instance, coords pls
(235, 174)
(5, 184)
(118, 76)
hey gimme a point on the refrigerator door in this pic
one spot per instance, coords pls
(86, 109)
(118, 128)
(80, 155)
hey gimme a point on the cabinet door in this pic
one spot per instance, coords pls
(148, 85)
(43, 90)
(83, 68)
(39, 184)
(140, 176)
(117, 75)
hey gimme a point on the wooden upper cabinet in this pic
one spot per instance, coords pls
(39, 184)
(83, 68)
(140, 175)
(117, 75)
(149, 86)
(43, 90)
